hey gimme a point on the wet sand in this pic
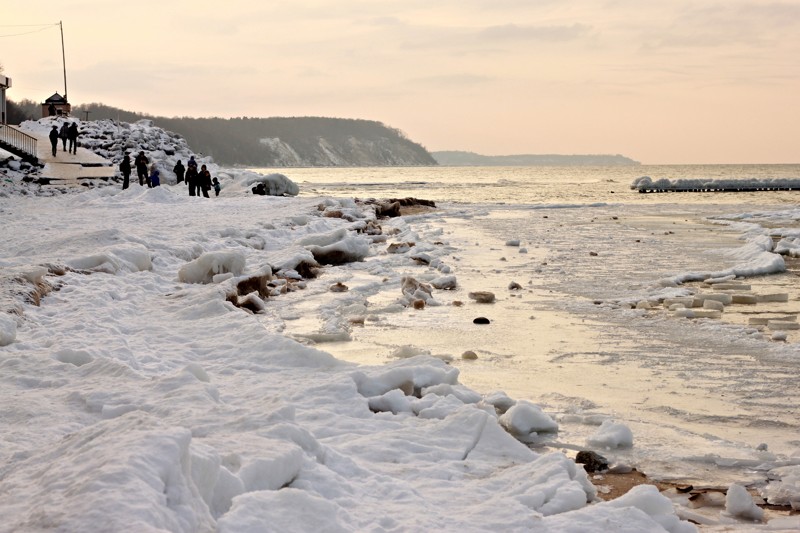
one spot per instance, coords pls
(687, 398)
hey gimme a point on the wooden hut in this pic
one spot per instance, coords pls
(59, 104)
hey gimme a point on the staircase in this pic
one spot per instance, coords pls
(18, 143)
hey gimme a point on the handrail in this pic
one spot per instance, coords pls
(18, 139)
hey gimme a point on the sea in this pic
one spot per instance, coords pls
(709, 401)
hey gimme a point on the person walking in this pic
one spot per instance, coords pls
(204, 181)
(64, 133)
(125, 168)
(72, 135)
(179, 170)
(54, 139)
(141, 162)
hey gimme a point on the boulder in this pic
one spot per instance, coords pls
(482, 297)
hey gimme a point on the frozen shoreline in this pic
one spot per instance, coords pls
(132, 399)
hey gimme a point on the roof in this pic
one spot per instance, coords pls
(55, 99)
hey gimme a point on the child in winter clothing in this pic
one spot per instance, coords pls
(215, 183)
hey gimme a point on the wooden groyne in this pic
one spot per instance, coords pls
(716, 189)
(646, 185)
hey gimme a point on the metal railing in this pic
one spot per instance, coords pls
(24, 144)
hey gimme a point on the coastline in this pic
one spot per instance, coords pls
(233, 394)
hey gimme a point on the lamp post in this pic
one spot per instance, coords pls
(63, 60)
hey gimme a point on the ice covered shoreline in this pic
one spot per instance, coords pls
(134, 400)
(138, 393)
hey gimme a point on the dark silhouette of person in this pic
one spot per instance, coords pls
(155, 178)
(191, 180)
(72, 135)
(54, 139)
(204, 181)
(179, 170)
(64, 133)
(125, 168)
(141, 162)
(217, 186)
(51, 110)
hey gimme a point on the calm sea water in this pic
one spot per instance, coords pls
(522, 185)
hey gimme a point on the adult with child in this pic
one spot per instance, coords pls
(179, 170)
(125, 168)
(72, 135)
(64, 133)
(141, 162)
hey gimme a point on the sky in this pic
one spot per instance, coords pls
(662, 82)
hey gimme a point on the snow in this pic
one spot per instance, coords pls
(611, 434)
(739, 503)
(136, 396)
(8, 329)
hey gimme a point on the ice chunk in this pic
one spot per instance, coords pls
(713, 305)
(784, 486)
(526, 418)
(204, 268)
(73, 357)
(394, 401)
(739, 503)
(747, 299)
(611, 434)
(444, 283)
(8, 329)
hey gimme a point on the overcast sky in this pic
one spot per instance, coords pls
(667, 81)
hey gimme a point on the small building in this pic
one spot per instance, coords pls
(5, 83)
(59, 104)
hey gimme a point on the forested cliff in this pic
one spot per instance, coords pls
(279, 141)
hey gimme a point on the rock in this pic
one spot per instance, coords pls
(399, 247)
(593, 254)
(457, 303)
(419, 304)
(512, 242)
(422, 258)
(591, 461)
(445, 283)
(481, 320)
(482, 297)
(414, 289)
(388, 209)
(469, 355)
(339, 287)
(514, 286)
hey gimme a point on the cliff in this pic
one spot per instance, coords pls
(285, 141)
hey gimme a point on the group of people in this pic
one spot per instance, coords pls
(197, 180)
(68, 132)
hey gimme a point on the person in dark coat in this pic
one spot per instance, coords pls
(64, 133)
(204, 181)
(155, 179)
(141, 162)
(72, 135)
(51, 110)
(54, 139)
(125, 168)
(179, 170)
(191, 180)
(217, 186)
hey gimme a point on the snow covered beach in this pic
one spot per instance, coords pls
(138, 396)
